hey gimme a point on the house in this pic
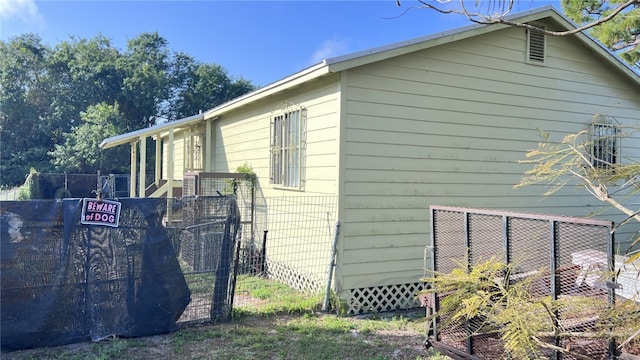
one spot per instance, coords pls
(443, 119)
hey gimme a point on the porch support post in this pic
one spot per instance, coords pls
(170, 165)
(143, 167)
(134, 166)
(187, 161)
(158, 169)
(208, 146)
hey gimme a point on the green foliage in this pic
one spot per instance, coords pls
(81, 152)
(26, 128)
(274, 298)
(249, 179)
(249, 174)
(493, 299)
(49, 97)
(26, 191)
(204, 86)
(556, 165)
(620, 34)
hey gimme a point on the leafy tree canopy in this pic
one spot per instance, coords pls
(620, 34)
(80, 152)
(58, 101)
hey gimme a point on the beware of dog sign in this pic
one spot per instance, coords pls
(100, 212)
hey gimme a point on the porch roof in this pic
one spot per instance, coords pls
(150, 131)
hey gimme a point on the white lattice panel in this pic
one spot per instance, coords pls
(306, 283)
(384, 298)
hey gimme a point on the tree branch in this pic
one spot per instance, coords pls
(499, 18)
(560, 349)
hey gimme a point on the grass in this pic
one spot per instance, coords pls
(284, 324)
(272, 298)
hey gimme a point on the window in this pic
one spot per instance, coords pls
(288, 130)
(604, 134)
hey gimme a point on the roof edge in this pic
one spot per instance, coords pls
(153, 130)
(345, 62)
(309, 73)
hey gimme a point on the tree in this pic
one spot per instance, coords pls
(616, 23)
(205, 86)
(556, 165)
(492, 301)
(621, 30)
(80, 151)
(26, 94)
(147, 84)
(491, 298)
(85, 73)
(51, 97)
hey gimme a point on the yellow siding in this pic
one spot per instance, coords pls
(447, 126)
(443, 126)
(243, 137)
(178, 156)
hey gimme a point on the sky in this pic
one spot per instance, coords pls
(261, 41)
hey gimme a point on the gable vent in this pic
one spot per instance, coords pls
(535, 47)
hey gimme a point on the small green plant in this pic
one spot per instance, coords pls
(249, 174)
(111, 349)
(249, 179)
(28, 189)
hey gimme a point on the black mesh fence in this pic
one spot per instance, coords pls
(168, 261)
(242, 186)
(568, 258)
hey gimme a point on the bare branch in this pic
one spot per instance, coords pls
(498, 18)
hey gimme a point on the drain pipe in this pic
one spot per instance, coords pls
(332, 264)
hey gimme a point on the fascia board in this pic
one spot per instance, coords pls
(150, 131)
(304, 76)
(349, 61)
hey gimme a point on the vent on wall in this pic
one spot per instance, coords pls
(536, 46)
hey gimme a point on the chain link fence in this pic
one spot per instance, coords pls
(283, 238)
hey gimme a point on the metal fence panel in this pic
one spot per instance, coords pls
(573, 252)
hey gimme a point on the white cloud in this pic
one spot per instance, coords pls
(330, 48)
(22, 13)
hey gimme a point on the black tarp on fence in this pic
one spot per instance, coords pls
(63, 282)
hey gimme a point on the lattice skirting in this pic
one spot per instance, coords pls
(384, 298)
(306, 283)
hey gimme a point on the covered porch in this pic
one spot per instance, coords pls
(181, 146)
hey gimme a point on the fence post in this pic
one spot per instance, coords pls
(611, 292)
(332, 263)
(467, 243)
(434, 268)
(553, 279)
(263, 258)
(507, 240)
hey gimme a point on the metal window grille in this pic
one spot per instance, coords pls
(604, 134)
(288, 147)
